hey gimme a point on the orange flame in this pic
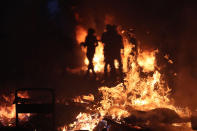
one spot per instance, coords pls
(147, 60)
(84, 98)
(81, 34)
(8, 112)
(136, 93)
(98, 59)
(85, 121)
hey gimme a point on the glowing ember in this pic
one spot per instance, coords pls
(168, 58)
(8, 112)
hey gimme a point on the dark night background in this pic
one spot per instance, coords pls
(38, 37)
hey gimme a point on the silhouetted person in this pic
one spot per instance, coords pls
(118, 45)
(133, 40)
(107, 40)
(90, 42)
(112, 45)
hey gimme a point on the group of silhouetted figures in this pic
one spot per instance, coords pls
(113, 44)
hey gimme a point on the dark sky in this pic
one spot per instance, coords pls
(37, 36)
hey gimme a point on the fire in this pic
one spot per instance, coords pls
(125, 54)
(147, 60)
(89, 97)
(8, 112)
(81, 34)
(98, 59)
(167, 58)
(139, 93)
(85, 121)
(136, 93)
(144, 89)
(63, 128)
(84, 98)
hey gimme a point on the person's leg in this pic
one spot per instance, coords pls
(105, 69)
(112, 67)
(90, 64)
(92, 67)
(120, 64)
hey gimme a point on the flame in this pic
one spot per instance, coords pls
(81, 34)
(84, 98)
(125, 54)
(8, 112)
(167, 57)
(64, 128)
(89, 97)
(85, 121)
(136, 93)
(147, 60)
(143, 89)
(139, 93)
(98, 59)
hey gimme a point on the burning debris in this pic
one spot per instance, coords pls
(140, 101)
(8, 111)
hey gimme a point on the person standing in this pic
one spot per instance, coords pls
(112, 47)
(90, 42)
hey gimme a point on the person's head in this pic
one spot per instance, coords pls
(114, 27)
(111, 27)
(91, 31)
